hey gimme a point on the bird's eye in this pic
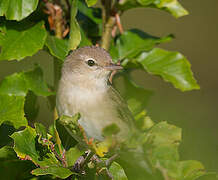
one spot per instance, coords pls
(90, 62)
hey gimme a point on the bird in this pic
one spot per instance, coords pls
(84, 88)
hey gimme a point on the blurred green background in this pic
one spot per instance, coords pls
(196, 112)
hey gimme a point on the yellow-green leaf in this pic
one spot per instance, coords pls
(91, 2)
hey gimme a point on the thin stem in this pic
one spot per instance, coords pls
(106, 37)
(118, 22)
(109, 161)
(108, 23)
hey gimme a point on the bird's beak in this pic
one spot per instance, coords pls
(112, 67)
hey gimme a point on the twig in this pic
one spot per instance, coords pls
(58, 21)
(118, 22)
(68, 5)
(63, 161)
(108, 23)
(114, 30)
(106, 37)
(82, 161)
(109, 161)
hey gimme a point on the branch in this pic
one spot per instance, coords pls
(106, 37)
(109, 21)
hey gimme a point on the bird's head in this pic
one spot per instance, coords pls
(89, 63)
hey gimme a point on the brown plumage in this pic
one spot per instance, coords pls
(84, 88)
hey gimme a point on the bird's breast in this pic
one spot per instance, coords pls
(97, 111)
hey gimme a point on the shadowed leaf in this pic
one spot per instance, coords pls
(5, 132)
(13, 90)
(57, 47)
(136, 97)
(133, 42)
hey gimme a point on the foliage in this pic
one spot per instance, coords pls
(33, 152)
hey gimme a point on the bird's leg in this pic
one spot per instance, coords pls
(87, 140)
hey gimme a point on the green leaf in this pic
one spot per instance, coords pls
(41, 130)
(34, 82)
(13, 90)
(7, 152)
(162, 149)
(90, 20)
(57, 47)
(72, 155)
(84, 40)
(18, 84)
(143, 122)
(191, 169)
(91, 2)
(53, 170)
(71, 126)
(11, 110)
(93, 14)
(17, 9)
(134, 41)
(14, 85)
(19, 40)
(135, 164)
(171, 6)
(165, 134)
(208, 176)
(75, 36)
(171, 66)
(117, 171)
(26, 146)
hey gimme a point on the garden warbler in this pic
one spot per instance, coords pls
(84, 88)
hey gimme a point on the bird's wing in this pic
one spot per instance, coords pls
(121, 106)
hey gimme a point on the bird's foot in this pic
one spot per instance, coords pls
(88, 141)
